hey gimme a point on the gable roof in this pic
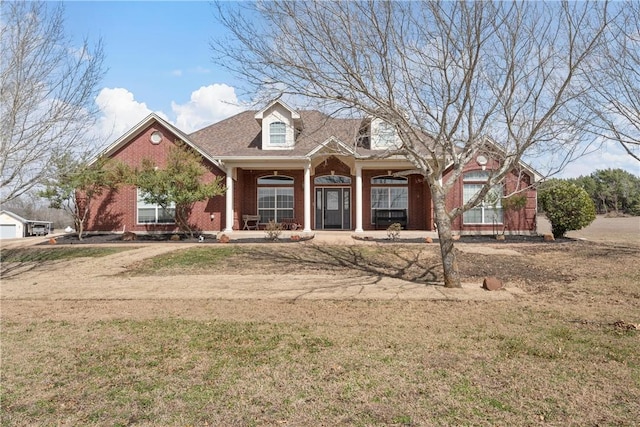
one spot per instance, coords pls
(332, 146)
(241, 135)
(14, 216)
(145, 123)
(260, 114)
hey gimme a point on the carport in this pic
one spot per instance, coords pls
(14, 226)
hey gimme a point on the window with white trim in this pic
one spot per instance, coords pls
(389, 192)
(277, 133)
(489, 210)
(332, 179)
(275, 198)
(149, 213)
(386, 134)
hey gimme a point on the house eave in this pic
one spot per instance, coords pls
(147, 121)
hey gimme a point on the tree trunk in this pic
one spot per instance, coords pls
(447, 250)
(79, 228)
(80, 217)
(182, 218)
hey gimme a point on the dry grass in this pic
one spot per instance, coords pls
(566, 353)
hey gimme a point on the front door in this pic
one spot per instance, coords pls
(333, 208)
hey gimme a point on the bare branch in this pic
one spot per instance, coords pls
(47, 91)
(455, 79)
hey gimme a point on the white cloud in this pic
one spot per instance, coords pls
(120, 112)
(608, 156)
(207, 105)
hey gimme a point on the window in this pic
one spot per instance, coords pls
(332, 179)
(277, 133)
(489, 211)
(389, 192)
(154, 214)
(386, 135)
(275, 198)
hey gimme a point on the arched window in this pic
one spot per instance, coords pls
(275, 198)
(489, 210)
(389, 192)
(277, 133)
(332, 180)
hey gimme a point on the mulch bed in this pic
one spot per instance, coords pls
(102, 238)
(113, 238)
(468, 239)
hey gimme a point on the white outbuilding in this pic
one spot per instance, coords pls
(13, 226)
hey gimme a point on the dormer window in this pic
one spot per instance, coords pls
(277, 133)
(280, 126)
(384, 135)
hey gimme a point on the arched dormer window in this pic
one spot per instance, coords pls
(277, 133)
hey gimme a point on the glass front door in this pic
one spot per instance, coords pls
(333, 208)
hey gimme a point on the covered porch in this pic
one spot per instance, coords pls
(323, 191)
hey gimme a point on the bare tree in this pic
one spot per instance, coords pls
(47, 92)
(614, 76)
(455, 79)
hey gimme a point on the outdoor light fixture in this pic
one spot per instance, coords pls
(482, 161)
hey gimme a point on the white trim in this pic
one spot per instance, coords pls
(358, 203)
(146, 122)
(229, 200)
(344, 148)
(307, 198)
(260, 114)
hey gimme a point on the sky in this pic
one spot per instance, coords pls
(158, 60)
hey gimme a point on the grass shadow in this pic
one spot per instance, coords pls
(412, 265)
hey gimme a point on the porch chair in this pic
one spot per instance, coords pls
(251, 222)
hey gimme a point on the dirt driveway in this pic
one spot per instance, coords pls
(95, 284)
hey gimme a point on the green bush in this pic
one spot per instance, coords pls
(567, 206)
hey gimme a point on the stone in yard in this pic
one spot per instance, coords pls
(128, 236)
(549, 238)
(175, 237)
(492, 283)
(224, 239)
(428, 240)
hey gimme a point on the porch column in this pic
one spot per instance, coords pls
(229, 200)
(359, 228)
(307, 197)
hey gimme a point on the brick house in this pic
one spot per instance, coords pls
(305, 168)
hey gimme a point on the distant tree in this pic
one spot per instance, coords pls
(612, 190)
(178, 185)
(31, 206)
(47, 92)
(567, 206)
(618, 190)
(76, 184)
(453, 79)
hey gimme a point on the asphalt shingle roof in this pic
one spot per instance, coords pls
(241, 135)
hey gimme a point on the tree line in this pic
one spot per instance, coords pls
(613, 191)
